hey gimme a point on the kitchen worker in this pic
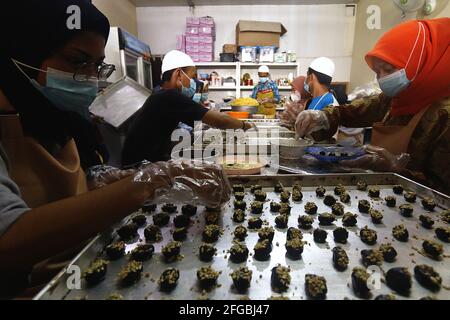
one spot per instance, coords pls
(149, 137)
(297, 102)
(411, 115)
(46, 207)
(266, 92)
(317, 83)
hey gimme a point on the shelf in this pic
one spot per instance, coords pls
(279, 88)
(275, 65)
(215, 64)
(222, 88)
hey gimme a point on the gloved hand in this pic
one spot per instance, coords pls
(100, 176)
(291, 113)
(310, 121)
(379, 159)
(185, 181)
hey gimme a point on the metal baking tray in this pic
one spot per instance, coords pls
(316, 258)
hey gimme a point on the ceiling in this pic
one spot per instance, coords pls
(164, 3)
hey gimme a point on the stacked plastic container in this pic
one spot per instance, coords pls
(199, 39)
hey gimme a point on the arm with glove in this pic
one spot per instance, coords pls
(322, 125)
(50, 229)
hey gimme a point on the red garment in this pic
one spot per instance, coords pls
(432, 82)
(298, 84)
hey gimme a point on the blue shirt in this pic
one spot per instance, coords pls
(323, 101)
(266, 87)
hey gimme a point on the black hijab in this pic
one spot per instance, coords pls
(32, 30)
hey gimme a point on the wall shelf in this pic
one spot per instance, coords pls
(237, 69)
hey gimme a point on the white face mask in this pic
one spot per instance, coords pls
(296, 97)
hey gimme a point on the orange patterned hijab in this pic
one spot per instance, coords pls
(426, 45)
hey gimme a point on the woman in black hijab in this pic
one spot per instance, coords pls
(35, 41)
(38, 40)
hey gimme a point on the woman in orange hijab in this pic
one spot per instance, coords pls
(411, 118)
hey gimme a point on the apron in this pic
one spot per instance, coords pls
(41, 177)
(268, 109)
(395, 139)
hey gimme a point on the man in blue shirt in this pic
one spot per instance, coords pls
(318, 81)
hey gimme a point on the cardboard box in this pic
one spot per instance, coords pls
(191, 31)
(192, 48)
(205, 48)
(205, 40)
(206, 30)
(192, 40)
(259, 33)
(194, 56)
(181, 42)
(192, 21)
(205, 57)
(230, 48)
(209, 21)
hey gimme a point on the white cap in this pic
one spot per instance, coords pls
(176, 59)
(323, 65)
(263, 69)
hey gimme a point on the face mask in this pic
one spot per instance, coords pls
(396, 82)
(263, 79)
(204, 97)
(306, 87)
(296, 97)
(189, 92)
(64, 92)
(197, 97)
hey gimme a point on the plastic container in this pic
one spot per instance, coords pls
(280, 57)
(227, 57)
(266, 54)
(238, 114)
(291, 148)
(248, 54)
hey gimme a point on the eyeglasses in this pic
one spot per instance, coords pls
(103, 72)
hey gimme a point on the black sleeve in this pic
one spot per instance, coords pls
(183, 109)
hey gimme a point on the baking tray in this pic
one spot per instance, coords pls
(315, 259)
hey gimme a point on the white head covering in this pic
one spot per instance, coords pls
(263, 69)
(323, 65)
(176, 59)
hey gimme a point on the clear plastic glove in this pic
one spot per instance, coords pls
(310, 121)
(289, 116)
(379, 159)
(100, 176)
(182, 181)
